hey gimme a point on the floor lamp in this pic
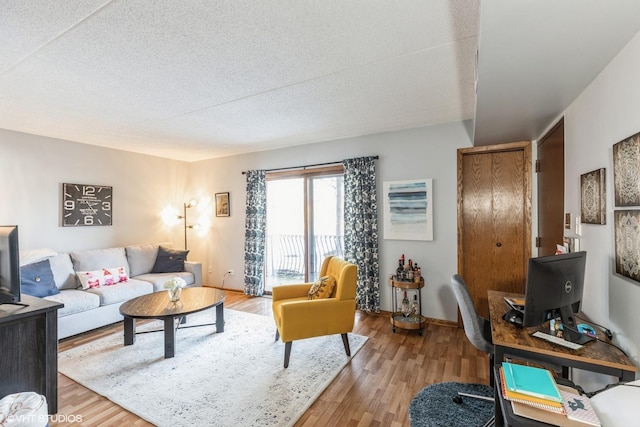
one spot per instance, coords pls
(183, 217)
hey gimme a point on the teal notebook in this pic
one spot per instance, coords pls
(532, 381)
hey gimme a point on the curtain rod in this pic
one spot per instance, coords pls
(304, 166)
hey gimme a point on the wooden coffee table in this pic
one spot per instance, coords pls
(158, 306)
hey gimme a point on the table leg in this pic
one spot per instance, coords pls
(129, 330)
(219, 318)
(169, 338)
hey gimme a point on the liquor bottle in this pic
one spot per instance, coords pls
(399, 270)
(405, 307)
(416, 273)
(414, 306)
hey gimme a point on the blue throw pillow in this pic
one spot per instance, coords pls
(169, 261)
(37, 279)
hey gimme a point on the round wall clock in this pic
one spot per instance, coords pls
(86, 205)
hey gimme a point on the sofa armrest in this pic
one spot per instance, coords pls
(290, 291)
(194, 268)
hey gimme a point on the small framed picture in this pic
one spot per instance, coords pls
(222, 204)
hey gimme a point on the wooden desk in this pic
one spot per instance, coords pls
(512, 341)
(29, 358)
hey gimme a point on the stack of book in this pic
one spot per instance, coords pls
(533, 393)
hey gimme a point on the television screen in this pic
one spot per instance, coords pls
(9, 265)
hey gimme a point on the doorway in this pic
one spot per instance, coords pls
(550, 173)
(494, 219)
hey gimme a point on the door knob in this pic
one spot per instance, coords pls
(499, 244)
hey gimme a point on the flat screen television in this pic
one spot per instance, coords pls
(554, 289)
(9, 265)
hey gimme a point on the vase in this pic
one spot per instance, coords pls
(174, 294)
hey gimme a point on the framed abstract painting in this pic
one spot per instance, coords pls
(408, 209)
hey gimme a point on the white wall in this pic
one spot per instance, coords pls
(428, 152)
(607, 112)
(33, 168)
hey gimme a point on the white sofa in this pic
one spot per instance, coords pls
(92, 308)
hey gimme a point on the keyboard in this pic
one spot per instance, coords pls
(555, 340)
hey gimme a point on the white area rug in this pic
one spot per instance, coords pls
(235, 378)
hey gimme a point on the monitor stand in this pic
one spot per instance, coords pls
(570, 328)
(14, 303)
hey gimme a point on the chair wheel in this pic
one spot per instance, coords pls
(457, 399)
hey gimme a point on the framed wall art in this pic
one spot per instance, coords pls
(408, 209)
(222, 204)
(626, 171)
(627, 243)
(592, 197)
(86, 205)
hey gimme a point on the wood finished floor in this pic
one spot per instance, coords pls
(373, 390)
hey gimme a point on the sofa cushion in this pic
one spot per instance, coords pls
(34, 255)
(169, 260)
(121, 292)
(63, 272)
(75, 301)
(141, 258)
(159, 279)
(37, 279)
(97, 259)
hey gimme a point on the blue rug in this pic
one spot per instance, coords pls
(433, 406)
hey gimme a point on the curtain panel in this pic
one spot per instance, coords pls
(361, 229)
(255, 233)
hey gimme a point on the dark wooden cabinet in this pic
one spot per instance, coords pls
(29, 354)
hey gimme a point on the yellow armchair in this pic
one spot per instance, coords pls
(297, 317)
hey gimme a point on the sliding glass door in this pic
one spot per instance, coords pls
(305, 224)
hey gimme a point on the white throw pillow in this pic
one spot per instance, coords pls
(103, 277)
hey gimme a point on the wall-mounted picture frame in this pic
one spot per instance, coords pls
(86, 205)
(626, 171)
(627, 243)
(408, 209)
(592, 197)
(222, 204)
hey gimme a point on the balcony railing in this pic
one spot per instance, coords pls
(286, 256)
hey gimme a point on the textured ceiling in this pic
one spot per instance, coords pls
(198, 79)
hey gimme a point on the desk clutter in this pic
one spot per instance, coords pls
(534, 393)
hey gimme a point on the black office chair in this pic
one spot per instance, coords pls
(476, 328)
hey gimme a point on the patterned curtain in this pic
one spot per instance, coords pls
(255, 233)
(361, 229)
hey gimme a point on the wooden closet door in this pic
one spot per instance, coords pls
(494, 219)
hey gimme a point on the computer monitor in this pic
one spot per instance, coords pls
(554, 289)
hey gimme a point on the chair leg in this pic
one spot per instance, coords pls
(277, 334)
(287, 353)
(345, 341)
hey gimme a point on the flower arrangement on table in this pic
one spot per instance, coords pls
(174, 287)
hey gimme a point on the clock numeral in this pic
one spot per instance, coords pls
(69, 205)
(89, 191)
(106, 206)
(88, 220)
